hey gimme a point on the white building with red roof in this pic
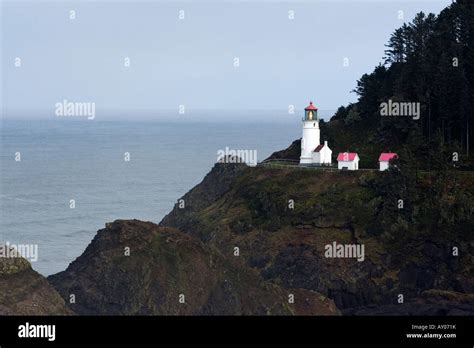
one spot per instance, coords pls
(312, 152)
(348, 160)
(384, 159)
(322, 154)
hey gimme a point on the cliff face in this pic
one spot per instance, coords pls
(212, 187)
(133, 267)
(282, 220)
(285, 245)
(25, 292)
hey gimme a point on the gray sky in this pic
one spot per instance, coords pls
(191, 61)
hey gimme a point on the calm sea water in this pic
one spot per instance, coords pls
(64, 159)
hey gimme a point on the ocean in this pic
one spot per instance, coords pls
(82, 164)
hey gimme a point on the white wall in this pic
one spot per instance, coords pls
(326, 154)
(309, 141)
(323, 156)
(316, 158)
(351, 165)
(383, 165)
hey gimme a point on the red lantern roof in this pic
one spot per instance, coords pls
(311, 106)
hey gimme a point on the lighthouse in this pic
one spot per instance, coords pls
(312, 152)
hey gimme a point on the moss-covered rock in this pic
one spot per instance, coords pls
(133, 267)
(25, 292)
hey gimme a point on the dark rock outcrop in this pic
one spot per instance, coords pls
(139, 268)
(25, 292)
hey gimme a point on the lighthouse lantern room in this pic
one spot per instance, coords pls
(310, 112)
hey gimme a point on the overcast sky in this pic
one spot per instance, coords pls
(191, 61)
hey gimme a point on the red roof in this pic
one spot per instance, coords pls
(311, 106)
(387, 156)
(346, 156)
(318, 148)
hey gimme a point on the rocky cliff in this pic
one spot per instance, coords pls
(282, 220)
(25, 292)
(138, 268)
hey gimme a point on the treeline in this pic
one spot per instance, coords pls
(429, 61)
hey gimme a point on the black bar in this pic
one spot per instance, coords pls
(240, 330)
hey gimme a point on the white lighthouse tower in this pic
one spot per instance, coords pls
(310, 138)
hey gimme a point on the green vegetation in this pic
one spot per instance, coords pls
(428, 61)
